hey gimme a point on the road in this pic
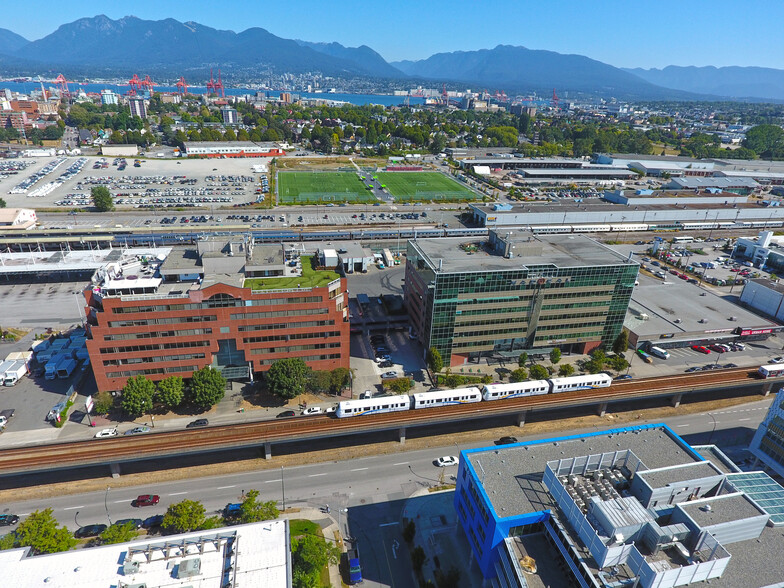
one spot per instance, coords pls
(378, 484)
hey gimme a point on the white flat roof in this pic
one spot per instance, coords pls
(261, 558)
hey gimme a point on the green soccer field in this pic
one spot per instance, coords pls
(424, 186)
(321, 187)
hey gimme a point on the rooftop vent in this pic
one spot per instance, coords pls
(130, 567)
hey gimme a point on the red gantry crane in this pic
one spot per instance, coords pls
(555, 100)
(213, 86)
(135, 83)
(147, 84)
(62, 87)
(182, 87)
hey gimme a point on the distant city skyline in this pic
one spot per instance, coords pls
(652, 34)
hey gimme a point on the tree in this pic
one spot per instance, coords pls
(449, 579)
(171, 391)
(618, 363)
(400, 385)
(522, 359)
(102, 199)
(286, 378)
(555, 355)
(310, 554)
(40, 532)
(538, 372)
(119, 533)
(621, 342)
(418, 558)
(253, 511)
(339, 379)
(319, 381)
(185, 516)
(565, 370)
(434, 360)
(518, 375)
(409, 531)
(207, 387)
(2, 203)
(137, 396)
(103, 402)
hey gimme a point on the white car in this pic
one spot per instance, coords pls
(777, 360)
(446, 461)
(106, 433)
(312, 410)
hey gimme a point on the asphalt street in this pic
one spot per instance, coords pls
(375, 486)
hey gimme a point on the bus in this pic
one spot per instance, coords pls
(678, 240)
(771, 371)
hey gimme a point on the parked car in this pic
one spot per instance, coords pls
(506, 441)
(137, 523)
(197, 423)
(106, 433)
(89, 531)
(624, 377)
(137, 430)
(717, 348)
(8, 519)
(701, 349)
(285, 414)
(146, 500)
(312, 410)
(389, 375)
(446, 461)
(366, 394)
(777, 360)
(152, 522)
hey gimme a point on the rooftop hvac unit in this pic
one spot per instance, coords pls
(188, 568)
(644, 317)
(130, 567)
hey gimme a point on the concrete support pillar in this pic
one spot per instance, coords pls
(521, 418)
(601, 410)
(401, 435)
(766, 388)
(676, 400)
(114, 468)
(267, 450)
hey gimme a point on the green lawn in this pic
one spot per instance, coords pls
(321, 187)
(310, 278)
(299, 527)
(424, 186)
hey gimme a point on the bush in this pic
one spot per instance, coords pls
(399, 386)
(518, 375)
(565, 370)
(538, 372)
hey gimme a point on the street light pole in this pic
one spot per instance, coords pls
(713, 430)
(106, 504)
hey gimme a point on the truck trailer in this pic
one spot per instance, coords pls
(15, 373)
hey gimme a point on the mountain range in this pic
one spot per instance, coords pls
(102, 46)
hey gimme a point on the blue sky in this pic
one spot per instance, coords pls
(624, 34)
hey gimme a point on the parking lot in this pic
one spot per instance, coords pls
(159, 182)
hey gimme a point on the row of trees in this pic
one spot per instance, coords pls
(41, 532)
(140, 395)
(288, 378)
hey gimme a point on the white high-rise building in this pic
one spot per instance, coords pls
(109, 97)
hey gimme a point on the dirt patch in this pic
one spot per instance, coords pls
(381, 448)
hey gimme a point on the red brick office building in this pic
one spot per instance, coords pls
(172, 314)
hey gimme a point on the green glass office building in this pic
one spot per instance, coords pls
(513, 291)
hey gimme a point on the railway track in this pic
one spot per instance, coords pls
(169, 444)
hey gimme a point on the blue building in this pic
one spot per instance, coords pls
(630, 506)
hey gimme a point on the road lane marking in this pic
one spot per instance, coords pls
(389, 524)
(225, 487)
(359, 469)
(317, 475)
(177, 493)
(73, 507)
(270, 481)
(401, 463)
(684, 425)
(119, 501)
(743, 420)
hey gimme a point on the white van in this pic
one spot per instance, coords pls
(659, 352)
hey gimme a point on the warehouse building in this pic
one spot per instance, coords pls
(18, 219)
(739, 185)
(232, 149)
(235, 306)
(633, 506)
(497, 296)
(256, 554)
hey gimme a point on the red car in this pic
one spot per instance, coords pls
(146, 500)
(717, 349)
(701, 349)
